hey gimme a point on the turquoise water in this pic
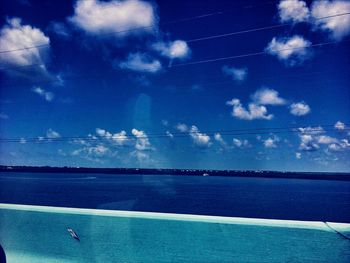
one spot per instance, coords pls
(39, 234)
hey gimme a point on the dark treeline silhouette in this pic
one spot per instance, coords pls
(179, 172)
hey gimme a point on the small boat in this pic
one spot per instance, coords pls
(73, 234)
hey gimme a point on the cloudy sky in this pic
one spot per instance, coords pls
(176, 84)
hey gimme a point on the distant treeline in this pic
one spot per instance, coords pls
(180, 172)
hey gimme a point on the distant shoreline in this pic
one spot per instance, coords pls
(180, 172)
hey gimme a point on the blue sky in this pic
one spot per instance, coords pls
(176, 84)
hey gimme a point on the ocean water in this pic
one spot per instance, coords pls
(288, 199)
(241, 223)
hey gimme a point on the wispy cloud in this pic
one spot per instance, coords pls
(237, 74)
(141, 62)
(47, 95)
(51, 134)
(3, 116)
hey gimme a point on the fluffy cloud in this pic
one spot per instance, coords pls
(299, 109)
(293, 11)
(240, 143)
(119, 138)
(338, 27)
(142, 141)
(181, 127)
(141, 62)
(47, 95)
(51, 134)
(15, 36)
(237, 74)
(292, 51)
(339, 125)
(199, 139)
(174, 50)
(307, 143)
(267, 96)
(298, 155)
(312, 137)
(96, 16)
(271, 142)
(253, 112)
(342, 145)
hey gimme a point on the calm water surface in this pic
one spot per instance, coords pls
(293, 199)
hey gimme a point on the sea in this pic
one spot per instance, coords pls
(269, 198)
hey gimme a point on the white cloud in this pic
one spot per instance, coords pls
(237, 74)
(293, 11)
(307, 143)
(95, 16)
(240, 143)
(271, 142)
(253, 112)
(339, 125)
(199, 139)
(339, 146)
(169, 134)
(292, 51)
(175, 49)
(299, 109)
(142, 141)
(338, 27)
(47, 95)
(15, 36)
(298, 155)
(181, 127)
(141, 62)
(219, 139)
(267, 96)
(22, 141)
(51, 134)
(92, 151)
(325, 139)
(311, 130)
(120, 138)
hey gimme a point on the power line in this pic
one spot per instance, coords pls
(255, 54)
(181, 20)
(185, 20)
(237, 132)
(215, 59)
(257, 29)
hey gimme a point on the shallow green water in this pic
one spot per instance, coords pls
(39, 234)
